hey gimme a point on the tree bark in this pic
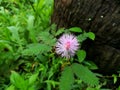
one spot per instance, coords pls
(99, 16)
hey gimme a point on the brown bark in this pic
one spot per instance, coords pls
(99, 16)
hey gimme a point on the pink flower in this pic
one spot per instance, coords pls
(67, 45)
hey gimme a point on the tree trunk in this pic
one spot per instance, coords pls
(99, 16)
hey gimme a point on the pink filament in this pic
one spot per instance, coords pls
(68, 45)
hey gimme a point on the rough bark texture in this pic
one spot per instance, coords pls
(99, 16)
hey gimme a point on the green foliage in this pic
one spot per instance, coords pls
(60, 31)
(21, 41)
(44, 9)
(47, 38)
(91, 35)
(76, 29)
(15, 35)
(81, 54)
(91, 65)
(33, 78)
(118, 88)
(96, 88)
(20, 83)
(30, 28)
(67, 79)
(12, 87)
(85, 74)
(114, 78)
(35, 49)
(85, 35)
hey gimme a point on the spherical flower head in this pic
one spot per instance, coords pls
(67, 45)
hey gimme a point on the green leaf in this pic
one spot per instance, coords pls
(45, 8)
(41, 4)
(17, 80)
(82, 37)
(67, 79)
(30, 22)
(31, 88)
(85, 74)
(90, 88)
(76, 29)
(30, 27)
(51, 82)
(60, 31)
(15, 34)
(91, 65)
(114, 78)
(47, 38)
(81, 54)
(1, 1)
(49, 86)
(6, 44)
(33, 78)
(11, 87)
(35, 49)
(91, 35)
(118, 88)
